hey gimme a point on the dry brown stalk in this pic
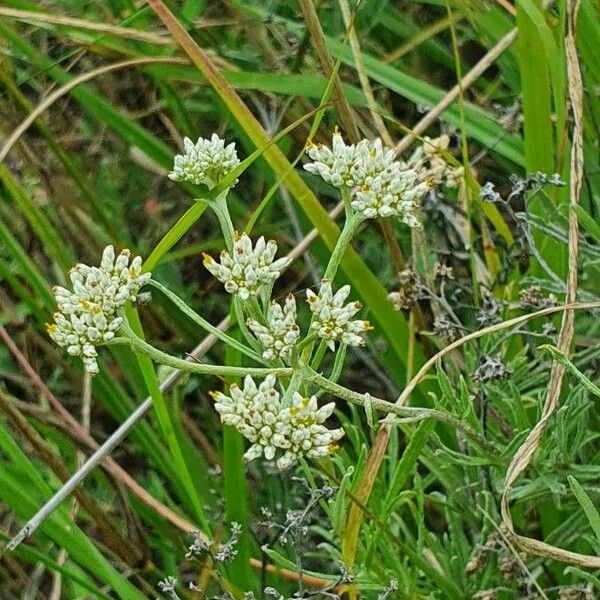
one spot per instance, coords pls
(526, 451)
(318, 37)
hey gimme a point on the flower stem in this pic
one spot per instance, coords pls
(412, 412)
(184, 308)
(238, 310)
(345, 193)
(350, 227)
(137, 344)
(221, 210)
(321, 349)
(252, 308)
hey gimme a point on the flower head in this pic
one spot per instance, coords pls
(244, 272)
(332, 320)
(274, 430)
(308, 436)
(88, 316)
(392, 193)
(380, 185)
(428, 160)
(206, 161)
(335, 165)
(279, 336)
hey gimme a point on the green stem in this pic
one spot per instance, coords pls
(320, 353)
(310, 337)
(165, 420)
(252, 308)
(220, 208)
(221, 335)
(350, 227)
(293, 386)
(141, 346)
(338, 363)
(415, 413)
(238, 309)
(345, 193)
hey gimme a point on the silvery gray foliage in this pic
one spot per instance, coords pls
(533, 298)
(223, 553)
(227, 552)
(198, 546)
(534, 182)
(389, 590)
(167, 586)
(491, 368)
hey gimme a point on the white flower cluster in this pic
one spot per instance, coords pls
(292, 432)
(244, 272)
(428, 160)
(381, 186)
(281, 332)
(88, 316)
(337, 165)
(332, 320)
(206, 161)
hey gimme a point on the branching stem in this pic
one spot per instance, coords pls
(137, 344)
(412, 412)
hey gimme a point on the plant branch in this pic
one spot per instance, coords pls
(184, 308)
(350, 227)
(413, 413)
(137, 344)
(221, 210)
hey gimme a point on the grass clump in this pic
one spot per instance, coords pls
(357, 355)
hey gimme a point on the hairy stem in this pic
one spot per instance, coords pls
(137, 344)
(350, 227)
(194, 316)
(221, 210)
(415, 413)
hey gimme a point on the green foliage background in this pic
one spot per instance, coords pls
(91, 170)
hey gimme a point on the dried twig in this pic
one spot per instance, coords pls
(362, 74)
(484, 63)
(114, 538)
(318, 38)
(111, 466)
(103, 28)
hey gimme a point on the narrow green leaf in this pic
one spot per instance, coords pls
(560, 357)
(591, 512)
(24, 500)
(588, 222)
(167, 427)
(235, 491)
(184, 308)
